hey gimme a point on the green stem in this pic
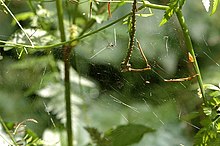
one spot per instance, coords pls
(60, 19)
(7, 131)
(191, 50)
(66, 52)
(66, 55)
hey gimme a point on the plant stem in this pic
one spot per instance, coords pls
(191, 50)
(60, 19)
(66, 52)
(66, 55)
(7, 131)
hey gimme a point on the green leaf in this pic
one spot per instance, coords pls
(127, 134)
(207, 137)
(22, 16)
(168, 14)
(174, 6)
(214, 7)
(207, 111)
(215, 102)
(215, 94)
(96, 136)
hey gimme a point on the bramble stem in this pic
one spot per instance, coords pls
(7, 131)
(66, 55)
(191, 50)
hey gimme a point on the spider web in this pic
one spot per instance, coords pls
(104, 97)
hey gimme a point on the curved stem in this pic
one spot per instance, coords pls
(191, 50)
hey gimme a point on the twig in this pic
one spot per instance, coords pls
(181, 79)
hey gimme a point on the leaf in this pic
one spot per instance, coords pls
(211, 87)
(207, 111)
(75, 77)
(38, 36)
(207, 137)
(174, 6)
(23, 16)
(214, 7)
(168, 14)
(96, 136)
(55, 91)
(127, 134)
(206, 4)
(215, 94)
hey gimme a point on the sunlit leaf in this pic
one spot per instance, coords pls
(22, 16)
(38, 37)
(55, 91)
(169, 13)
(207, 137)
(145, 15)
(207, 110)
(206, 4)
(174, 5)
(214, 7)
(75, 77)
(52, 137)
(211, 87)
(215, 94)
(50, 91)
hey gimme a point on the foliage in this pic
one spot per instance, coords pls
(20, 134)
(174, 5)
(120, 136)
(210, 133)
(206, 4)
(39, 37)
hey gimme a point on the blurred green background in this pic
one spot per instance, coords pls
(31, 85)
